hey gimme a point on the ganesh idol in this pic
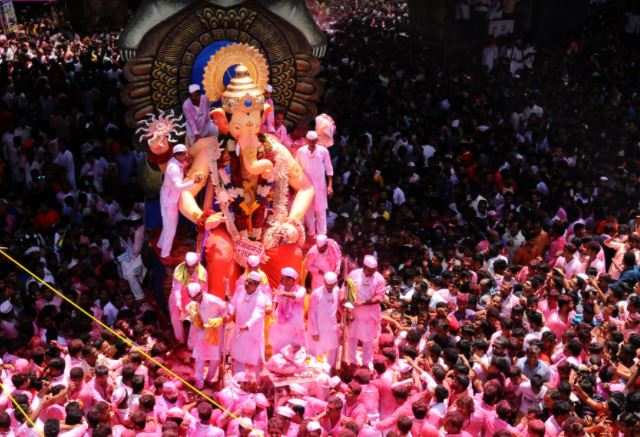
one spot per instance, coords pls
(255, 193)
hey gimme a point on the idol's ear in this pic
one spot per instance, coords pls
(219, 118)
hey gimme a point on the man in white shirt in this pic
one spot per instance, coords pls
(172, 186)
(316, 164)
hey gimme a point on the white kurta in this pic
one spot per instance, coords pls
(317, 166)
(210, 307)
(248, 346)
(323, 320)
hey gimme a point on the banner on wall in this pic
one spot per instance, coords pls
(8, 18)
(501, 27)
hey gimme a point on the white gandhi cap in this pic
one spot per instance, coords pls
(321, 240)
(6, 307)
(285, 411)
(194, 289)
(312, 135)
(191, 258)
(193, 88)
(289, 272)
(254, 276)
(371, 262)
(330, 278)
(253, 260)
(313, 426)
(179, 148)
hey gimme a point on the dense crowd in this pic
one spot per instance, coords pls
(503, 209)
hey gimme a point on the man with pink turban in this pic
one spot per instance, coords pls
(288, 326)
(323, 257)
(365, 291)
(186, 272)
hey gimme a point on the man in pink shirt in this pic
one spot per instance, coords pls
(288, 326)
(316, 164)
(203, 427)
(196, 113)
(453, 424)
(323, 325)
(281, 130)
(324, 256)
(186, 272)
(365, 291)
(560, 411)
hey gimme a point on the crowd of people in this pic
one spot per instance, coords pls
(492, 219)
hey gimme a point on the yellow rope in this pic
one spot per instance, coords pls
(18, 406)
(122, 338)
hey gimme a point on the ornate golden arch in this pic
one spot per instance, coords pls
(160, 73)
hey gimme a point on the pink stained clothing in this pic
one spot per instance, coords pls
(365, 325)
(287, 361)
(384, 384)
(247, 345)
(357, 412)
(288, 324)
(370, 398)
(475, 423)
(323, 320)
(318, 263)
(211, 307)
(552, 428)
(555, 248)
(574, 266)
(494, 424)
(179, 297)
(199, 429)
(269, 119)
(283, 136)
(317, 166)
(557, 325)
(197, 117)
(546, 310)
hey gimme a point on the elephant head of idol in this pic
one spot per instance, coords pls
(243, 101)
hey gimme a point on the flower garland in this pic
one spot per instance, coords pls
(243, 219)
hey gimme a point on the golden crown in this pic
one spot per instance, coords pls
(242, 94)
(248, 84)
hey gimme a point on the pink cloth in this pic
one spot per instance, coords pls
(197, 118)
(201, 430)
(366, 318)
(210, 307)
(248, 345)
(323, 320)
(288, 326)
(384, 384)
(283, 136)
(318, 263)
(269, 118)
(494, 424)
(557, 325)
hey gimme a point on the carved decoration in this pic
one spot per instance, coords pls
(160, 73)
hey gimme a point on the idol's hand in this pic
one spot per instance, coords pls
(214, 221)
